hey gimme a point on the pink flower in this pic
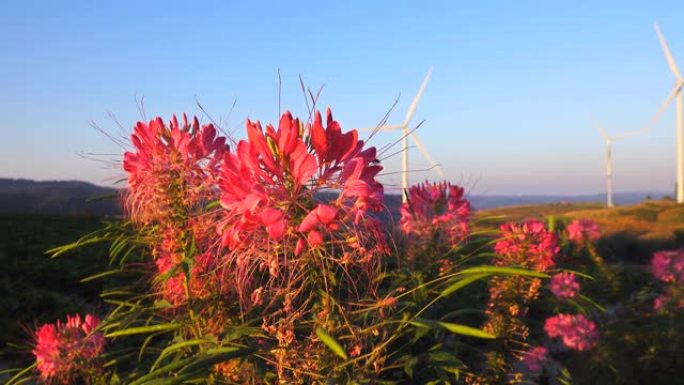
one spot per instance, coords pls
(437, 208)
(528, 244)
(668, 266)
(668, 300)
(172, 173)
(66, 350)
(581, 230)
(171, 167)
(564, 285)
(534, 359)
(660, 302)
(322, 215)
(269, 192)
(170, 277)
(576, 331)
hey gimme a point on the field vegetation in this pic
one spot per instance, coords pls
(229, 268)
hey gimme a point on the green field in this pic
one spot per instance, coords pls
(36, 289)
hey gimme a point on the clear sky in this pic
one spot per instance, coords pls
(506, 111)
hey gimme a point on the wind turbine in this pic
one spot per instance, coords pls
(609, 160)
(406, 132)
(676, 93)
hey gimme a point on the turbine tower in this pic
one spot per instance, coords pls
(676, 93)
(609, 160)
(406, 133)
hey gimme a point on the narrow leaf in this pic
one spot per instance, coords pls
(175, 347)
(465, 330)
(331, 343)
(144, 330)
(502, 270)
(453, 328)
(461, 283)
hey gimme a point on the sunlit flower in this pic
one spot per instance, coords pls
(576, 331)
(272, 213)
(668, 266)
(528, 244)
(172, 173)
(171, 167)
(582, 230)
(534, 359)
(564, 285)
(65, 351)
(435, 210)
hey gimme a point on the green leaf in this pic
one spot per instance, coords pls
(191, 368)
(551, 223)
(175, 347)
(331, 343)
(145, 329)
(461, 283)
(163, 370)
(453, 328)
(17, 377)
(591, 301)
(100, 275)
(579, 273)
(502, 270)
(466, 330)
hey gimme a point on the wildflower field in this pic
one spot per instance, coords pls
(274, 259)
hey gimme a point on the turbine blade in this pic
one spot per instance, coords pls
(668, 54)
(414, 104)
(627, 134)
(670, 97)
(426, 154)
(600, 128)
(386, 127)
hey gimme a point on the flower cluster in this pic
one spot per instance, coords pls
(528, 244)
(171, 168)
(171, 176)
(533, 360)
(67, 351)
(575, 330)
(435, 212)
(271, 187)
(583, 230)
(296, 202)
(668, 266)
(564, 285)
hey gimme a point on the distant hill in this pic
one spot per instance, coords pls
(82, 198)
(482, 202)
(57, 197)
(624, 198)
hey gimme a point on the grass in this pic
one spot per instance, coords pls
(36, 289)
(630, 233)
(650, 220)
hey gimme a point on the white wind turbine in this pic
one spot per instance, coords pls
(676, 93)
(406, 132)
(609, 160)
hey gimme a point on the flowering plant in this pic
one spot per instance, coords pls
(266, 260)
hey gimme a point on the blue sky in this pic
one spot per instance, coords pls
(506, 111)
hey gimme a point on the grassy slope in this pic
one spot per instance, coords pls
(650, 220)
(630, 233)
(35, 288)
